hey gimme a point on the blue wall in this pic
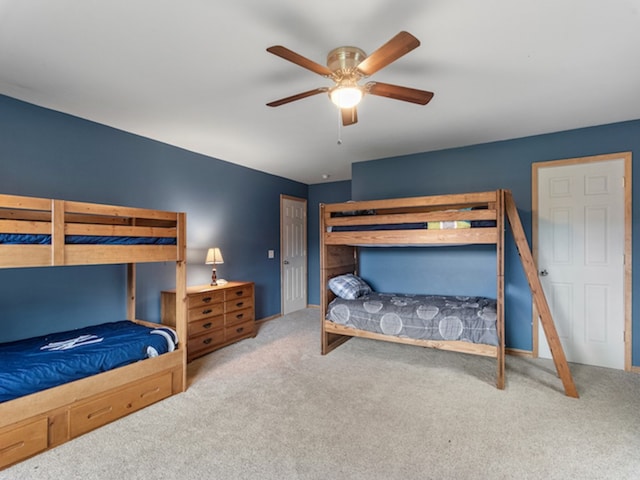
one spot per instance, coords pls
(44, 153)
(333, 192)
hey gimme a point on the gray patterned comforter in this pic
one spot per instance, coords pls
(432, 317)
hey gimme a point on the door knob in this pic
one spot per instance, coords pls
(286, 262)
(544, 273)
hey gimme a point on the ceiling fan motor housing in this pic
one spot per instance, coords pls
(345, 59)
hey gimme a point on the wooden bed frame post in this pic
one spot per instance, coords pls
(131, 291)
(500, 195)
(57, 232)
(181, 294)
(334, 260)
(542, 307)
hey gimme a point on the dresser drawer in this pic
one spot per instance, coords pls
(205, 325)
(205, 298)
(18, 443)
(239, 292)
(238, 304)
(206, 341)
(95, 413)
(238, 330)
(238, 316)
(205, 311)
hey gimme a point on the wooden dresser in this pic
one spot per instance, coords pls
(217, 316)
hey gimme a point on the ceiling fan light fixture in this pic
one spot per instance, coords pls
(346, 96)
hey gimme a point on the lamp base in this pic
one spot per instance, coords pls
(214, 280)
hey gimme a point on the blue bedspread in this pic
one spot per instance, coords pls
(34, 364)
(43, 239)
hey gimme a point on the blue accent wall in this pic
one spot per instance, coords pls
(44, 153)
(505, 164)
(332, 192)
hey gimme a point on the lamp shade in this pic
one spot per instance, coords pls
(214, 256)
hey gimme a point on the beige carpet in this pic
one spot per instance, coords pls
(274, 408)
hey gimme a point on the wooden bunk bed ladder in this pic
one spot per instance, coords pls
(531, 272)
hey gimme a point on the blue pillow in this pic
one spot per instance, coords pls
(349, 286)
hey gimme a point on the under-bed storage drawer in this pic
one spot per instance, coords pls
(18, 443)
(92, 414)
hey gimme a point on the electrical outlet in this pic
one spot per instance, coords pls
(271, 254)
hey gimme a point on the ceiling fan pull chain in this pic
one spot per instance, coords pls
(339, 127)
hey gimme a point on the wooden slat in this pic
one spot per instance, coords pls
(29, 203)
(531, 272)
(109, 254)
(413, 237)
(455, 200)
(450, 345)
(119, 231)
(12, 256)
(117, 211)
(24, 227)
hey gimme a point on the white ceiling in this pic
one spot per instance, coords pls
(195, 73)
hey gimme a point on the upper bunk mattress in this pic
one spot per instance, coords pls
(42, 239)
(453, 225)
(34, 364)
(427, 317)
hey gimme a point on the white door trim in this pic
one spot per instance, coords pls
(304, 287)
(626, 156)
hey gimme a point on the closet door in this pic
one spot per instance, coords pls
(581, 258)
(293, 220)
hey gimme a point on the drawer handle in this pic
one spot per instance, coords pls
(239, 330)
(239, 293)
(206, 299)
(208, 310)
(206, 341)
(239, 304)
(207, 325)
(240, 315)
(15, 446)
(97, 413)
(153, 391)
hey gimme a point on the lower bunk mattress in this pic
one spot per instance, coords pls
(34, 364)
(426, 317)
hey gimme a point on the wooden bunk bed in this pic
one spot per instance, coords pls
(42, 420)
(347, 226)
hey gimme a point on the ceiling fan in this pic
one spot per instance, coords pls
(346, 66)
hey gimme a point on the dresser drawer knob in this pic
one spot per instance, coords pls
(207, 341)
(206, 299)
(240, 315)
(239, 330)
(207, 325)
(208, 310)
(239, 293)
(239, 304)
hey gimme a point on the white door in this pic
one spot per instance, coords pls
(293, 253)
(581, 245)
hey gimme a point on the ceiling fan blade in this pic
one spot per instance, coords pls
(349, 116)
(298, 59)
(299, 96)
(397, 92)
(395, 48)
